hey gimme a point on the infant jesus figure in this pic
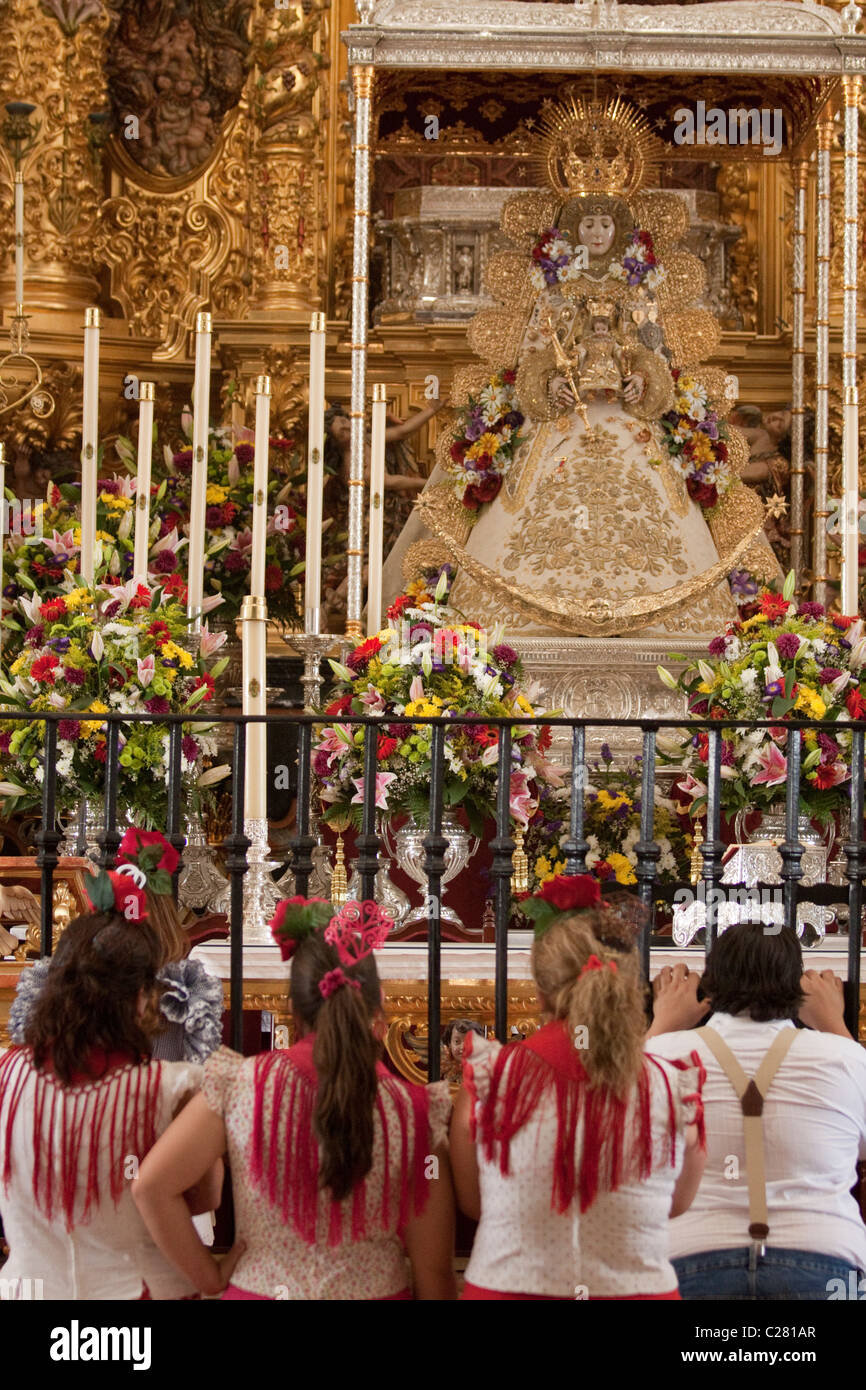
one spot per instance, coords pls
(603, 364)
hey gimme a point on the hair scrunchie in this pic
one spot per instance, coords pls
(595, 964)
(334, 980)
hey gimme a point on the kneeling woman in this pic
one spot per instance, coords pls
(339, 1169)
(573, 1148)
(81, 1102)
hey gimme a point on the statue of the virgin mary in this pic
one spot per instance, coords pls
(589, 484)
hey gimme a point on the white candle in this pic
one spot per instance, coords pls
(89, 442)
(19, 242)
(315, 476)
(260, 486)
(254, 629)
(377, 509)
(198, 484)
(142, 484)
(850, 503)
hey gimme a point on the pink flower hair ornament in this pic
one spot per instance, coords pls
(334, 980)
(358, 929)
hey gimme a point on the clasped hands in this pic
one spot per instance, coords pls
(565, 399)
(676, 1005)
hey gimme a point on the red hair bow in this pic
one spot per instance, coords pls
(595, 964)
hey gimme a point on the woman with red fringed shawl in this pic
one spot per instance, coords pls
(81, 1102)
(339, 1169)
(572, 1149)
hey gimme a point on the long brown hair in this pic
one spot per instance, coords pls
(608, 1003)
(90, 998)
(163, 917)
(345, 1054)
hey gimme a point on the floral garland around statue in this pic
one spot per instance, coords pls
(555, 261)
(696, 438)
(639, 265)
(787, 661)
(89, 652)
(484, 450)
(430, 663)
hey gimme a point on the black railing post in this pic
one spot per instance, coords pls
(646, 849)
(855, 869)
(576, 845)
(173, 822)
(110, 837)
(790, 849)
(714, 846)
(435, 846)
(367, 843)
(236, 845)
(501, 871)
(302, 843)
(48, 837)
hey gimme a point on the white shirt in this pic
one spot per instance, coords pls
(814, 1134)
(614, 1249)
(109, 1256)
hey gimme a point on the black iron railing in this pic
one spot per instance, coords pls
(368, 844)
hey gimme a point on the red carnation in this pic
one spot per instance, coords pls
(273, 578)
(705, 494)
(571, 891)
(229, 512)
(855, 704)
(99, 750)
(53, 610)
(605, 870)
(545, 738)
(244, 453)
(159, 631)
(477, 494)
(135, 840)
(509, 377)
(458, 450)
(341, 706)
(399, 606)
(44, 667)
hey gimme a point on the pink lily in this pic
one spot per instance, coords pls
(543, 768)
(146, 669)
(372, 700)
(521, 803)
(774, 766)
(383, 779)
(691, 787)
(416, 689)
(335, 741)
(172, 541)
(211, 641)
(61, 545)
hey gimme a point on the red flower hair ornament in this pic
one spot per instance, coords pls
(296, 918)
(565, 893)
(145, 864)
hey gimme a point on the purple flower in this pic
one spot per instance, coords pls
(74, 675)
(235, 561)
(717, 647)
(788, 645)
(60, 644)
(213, 517)
(505, 655)
(158, 705)
(828, 674)
(742, 584)
(165, 562)
(113, 608)
(109, 485)
(810, 610)
(36, 636)
(830, 749)
(474, 430)
(513, 419)
(606, 755)
(190, 748)
(773, 689)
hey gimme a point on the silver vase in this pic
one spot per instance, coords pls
(408, 850)
(201, 880)
(82, 831)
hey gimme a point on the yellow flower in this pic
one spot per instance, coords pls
(622, 868)
(115, 504)
(810, 702)
(90, 727)
(97, 707)
(18, 665)
(216, 494)
(612, 803)
(755, 621)
(79, 598)
(524, 705)
(487, 444)
(423, 709)
(176, 653)
(105, 536)
(385, 635)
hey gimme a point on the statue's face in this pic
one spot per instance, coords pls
(596, 232)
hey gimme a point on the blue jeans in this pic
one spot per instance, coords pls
(719, 1275)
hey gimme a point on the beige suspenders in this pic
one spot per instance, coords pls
(751, 1094)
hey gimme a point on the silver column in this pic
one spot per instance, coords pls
(822, 364)
(850, 480)
(798, 362)
(362, 82)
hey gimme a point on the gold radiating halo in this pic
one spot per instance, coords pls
(595, 147)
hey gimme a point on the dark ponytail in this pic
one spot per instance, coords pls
(345, 1054)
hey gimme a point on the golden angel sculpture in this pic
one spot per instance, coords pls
(589, 484)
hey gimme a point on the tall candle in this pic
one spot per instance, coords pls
(260, 486)
(19, 241)
(89, 442)
(377, 508)
(198, 483)
(850, 502)
(315, 475)
(254, 629)
(142, 485)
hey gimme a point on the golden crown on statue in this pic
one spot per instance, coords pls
(600, 308)
(595, 147)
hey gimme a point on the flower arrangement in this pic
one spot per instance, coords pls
(611, 828)
(554, 260)
(429, 663)
(639, 265)
(484, 450)
(88, 652)
(696, 441)
(787, 661)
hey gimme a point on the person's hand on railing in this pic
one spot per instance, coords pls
(675, 1000)
(824, 1005)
